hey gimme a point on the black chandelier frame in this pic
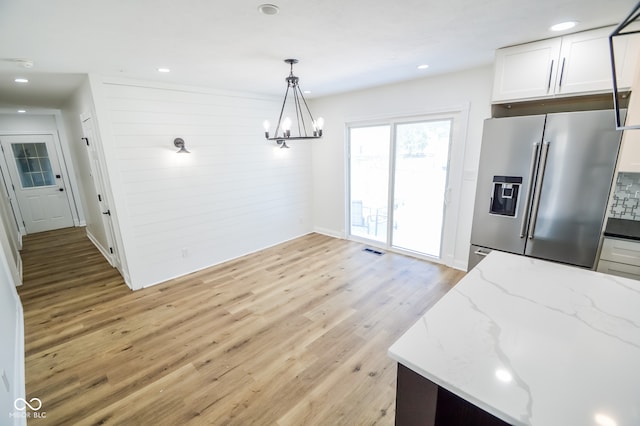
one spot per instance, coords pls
(299, 103)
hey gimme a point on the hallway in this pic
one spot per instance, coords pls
(295, 334)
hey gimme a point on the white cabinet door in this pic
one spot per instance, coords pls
(526, 71)
(619, 269)
(621, 251)
(585, 64)
(620, 257)
(629, 157)
(574, 64)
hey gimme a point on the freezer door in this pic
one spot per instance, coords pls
(510, 148)
(581, 158)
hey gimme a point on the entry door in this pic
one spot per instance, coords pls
(37, 180)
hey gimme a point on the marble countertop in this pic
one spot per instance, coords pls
(534, 343)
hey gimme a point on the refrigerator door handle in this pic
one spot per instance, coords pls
(527, 198)
(536, 197)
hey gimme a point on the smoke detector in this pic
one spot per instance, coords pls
(268, 9)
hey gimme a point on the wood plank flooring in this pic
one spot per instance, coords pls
(293, 335)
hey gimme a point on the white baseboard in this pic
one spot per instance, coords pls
(460, 264)
(329, 232)
(19, 267)
(19, 381)
(126, 278)
(101, 249)
(107, 255)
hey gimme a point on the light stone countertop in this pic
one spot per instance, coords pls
(534, 343)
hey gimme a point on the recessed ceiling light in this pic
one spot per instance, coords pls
(21, 80)
(604, 420)
(269, 9)
(423, 67)
(562, 26)
(307, 92)
(22, 111)
(504, 375)
(164, 70)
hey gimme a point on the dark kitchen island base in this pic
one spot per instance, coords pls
(421, 402)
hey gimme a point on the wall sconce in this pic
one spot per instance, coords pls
(179, 143)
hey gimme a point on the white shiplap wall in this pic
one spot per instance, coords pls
(234, 194)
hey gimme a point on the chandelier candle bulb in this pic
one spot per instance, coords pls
(320, 125)
(286, 127)
(267, 126)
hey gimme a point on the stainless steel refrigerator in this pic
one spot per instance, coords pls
(543, 185)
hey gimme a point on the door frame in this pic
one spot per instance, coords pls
(92, 148)
(69, 187)
(459, 113)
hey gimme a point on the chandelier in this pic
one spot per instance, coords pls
(307, 127)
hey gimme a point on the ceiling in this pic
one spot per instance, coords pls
(342, 45)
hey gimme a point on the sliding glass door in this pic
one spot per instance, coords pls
(420, 170)
(398, 181)
(369, 183)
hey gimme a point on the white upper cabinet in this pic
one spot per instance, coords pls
(585, 63)
(574, 64)
(629, 158)
(526, 71)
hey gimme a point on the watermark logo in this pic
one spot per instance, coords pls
(34, 404)
(21, 404)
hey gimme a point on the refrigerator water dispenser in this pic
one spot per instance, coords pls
(504, 197)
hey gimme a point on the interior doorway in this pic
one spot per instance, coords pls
(36, 178)
(105, 239)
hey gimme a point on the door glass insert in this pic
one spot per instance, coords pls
(369, 179)
(33, 164)
(421, 163)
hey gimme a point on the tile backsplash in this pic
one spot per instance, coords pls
(626, 197)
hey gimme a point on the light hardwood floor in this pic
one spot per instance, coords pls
(293, 335)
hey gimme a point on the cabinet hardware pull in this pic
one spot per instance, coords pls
(550, 74)
(561, 73)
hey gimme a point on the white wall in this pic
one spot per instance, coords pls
(81, 102)
(27, 122)
(234, 194)
(13, 237)
(472, 88)
(11, 332)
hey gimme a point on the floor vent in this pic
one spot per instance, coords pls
(373, 251)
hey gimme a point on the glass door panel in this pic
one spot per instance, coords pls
(420, 180)
(34, 167)
(369, 181)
